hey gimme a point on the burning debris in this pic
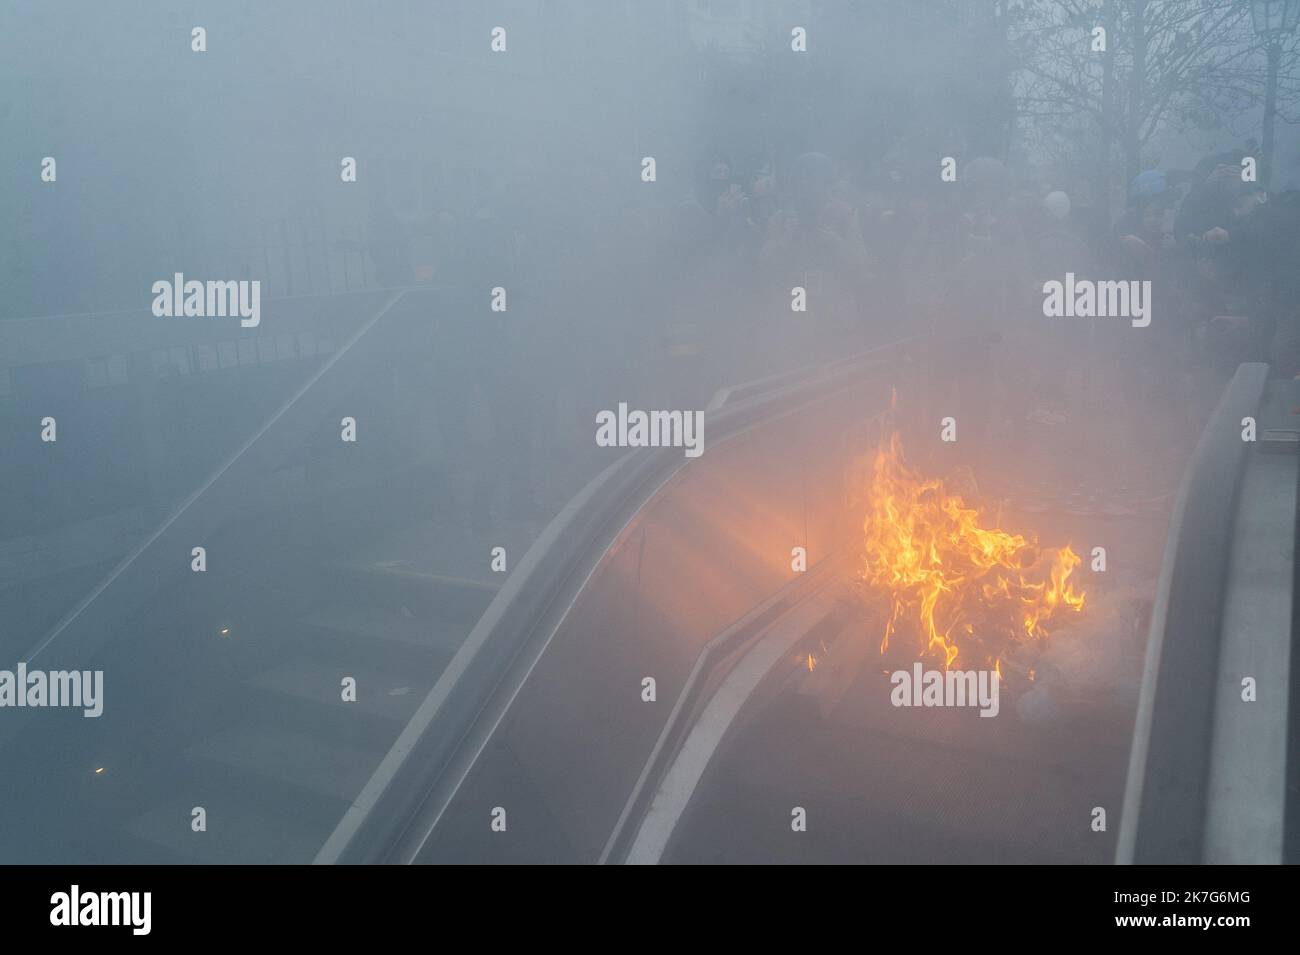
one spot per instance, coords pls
(955, 587)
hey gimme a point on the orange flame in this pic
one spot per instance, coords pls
(949, 579)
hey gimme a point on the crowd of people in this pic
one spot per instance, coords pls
(885, 255)
(657, 298)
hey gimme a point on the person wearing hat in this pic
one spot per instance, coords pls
(1142, 231)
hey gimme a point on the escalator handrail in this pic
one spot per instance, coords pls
(405, 797)
(708, 669)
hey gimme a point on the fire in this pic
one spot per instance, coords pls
(952, 583)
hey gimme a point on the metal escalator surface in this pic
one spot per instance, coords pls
(689, 584)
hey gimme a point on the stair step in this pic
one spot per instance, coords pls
(237, 832)
(295, 759)
(396, 584)
(385, 696)
(353, 635)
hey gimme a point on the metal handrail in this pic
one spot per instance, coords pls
(402, 803)
(1164, 810)
(704, 675)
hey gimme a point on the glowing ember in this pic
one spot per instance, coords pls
(951, 583)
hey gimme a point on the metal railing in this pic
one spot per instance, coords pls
(1165, 801)
(408, 798)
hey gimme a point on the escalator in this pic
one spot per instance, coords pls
(569, 761)
(671, 667)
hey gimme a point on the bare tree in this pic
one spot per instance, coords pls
(1101, 97)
